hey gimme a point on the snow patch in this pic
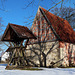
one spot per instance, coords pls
(45, 71)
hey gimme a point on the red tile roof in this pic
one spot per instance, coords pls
(22, 31)
(61, 26)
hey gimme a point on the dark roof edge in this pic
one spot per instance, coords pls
(5, 32)
(13, 29)
(49, 23)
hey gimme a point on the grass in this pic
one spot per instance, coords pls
(32, 69)
(27, 68)
(70, 67)
(22, 68)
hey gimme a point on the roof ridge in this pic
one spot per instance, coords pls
(61, 27)
(54, 14)
(17, 25)
(49, 23)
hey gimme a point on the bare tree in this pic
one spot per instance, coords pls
(69, 15)
(66, 13)
(2, 8)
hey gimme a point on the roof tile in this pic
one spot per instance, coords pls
(61, 26)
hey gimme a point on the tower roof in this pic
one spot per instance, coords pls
(15, 32)
(61, 26)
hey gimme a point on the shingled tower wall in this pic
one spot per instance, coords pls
(46, 46)
(47, 50)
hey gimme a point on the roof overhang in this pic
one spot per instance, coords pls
(11, 34)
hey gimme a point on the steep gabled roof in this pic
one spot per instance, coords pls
(60, 26)
(16, 32)
(22, 31)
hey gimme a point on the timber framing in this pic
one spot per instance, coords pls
(49, 23)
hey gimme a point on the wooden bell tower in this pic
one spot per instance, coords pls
(17, 34)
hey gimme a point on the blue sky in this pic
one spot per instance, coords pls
(16, 13)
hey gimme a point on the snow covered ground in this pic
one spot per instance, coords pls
(45, 71)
